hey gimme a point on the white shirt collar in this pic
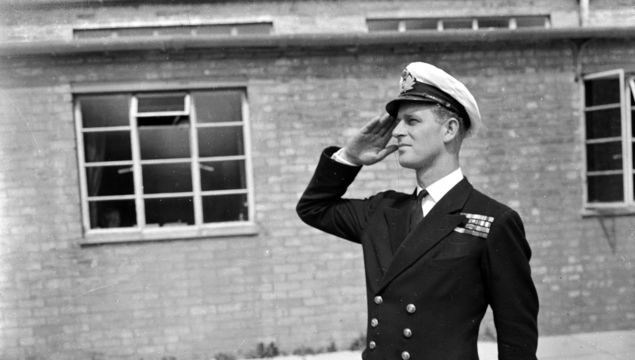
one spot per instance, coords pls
(439, 188)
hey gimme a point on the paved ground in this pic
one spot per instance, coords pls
(612, 345)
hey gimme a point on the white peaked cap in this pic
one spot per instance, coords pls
(423, 82)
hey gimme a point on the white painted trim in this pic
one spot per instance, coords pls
(186, 85)
(182, 194)
(604, 140)
(234, 21)
(142, 231)
(221, 124)
(629, 140)
(111, 197)
(603, 107)
(137, 169)
(225, 192)
(105, 129)
(195, 163)
(165, 161)
(81, 161)
(223, 158)
(161, 114)
(120, 235)
(248, 157)
(625, 139)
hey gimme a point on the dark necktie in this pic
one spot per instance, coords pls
(417, 213)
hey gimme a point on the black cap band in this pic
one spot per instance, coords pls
(432, 94)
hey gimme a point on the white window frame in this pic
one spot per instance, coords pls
(512, 22)
(627, 91)
(145, 233)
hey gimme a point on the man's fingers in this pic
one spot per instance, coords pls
(388, 124)
(373, 126)
(387, 151)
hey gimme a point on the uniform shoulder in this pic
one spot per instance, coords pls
(489, 206)
(390, 197)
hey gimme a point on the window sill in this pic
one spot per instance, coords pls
(614, 211)
(106, 236)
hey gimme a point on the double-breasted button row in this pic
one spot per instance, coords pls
(407, 333)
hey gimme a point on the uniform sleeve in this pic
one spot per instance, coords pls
(322, 206)
(510, 289)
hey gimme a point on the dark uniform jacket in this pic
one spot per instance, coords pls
(428, 288)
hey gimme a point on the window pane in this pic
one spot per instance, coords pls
(167, 178)
(225, 208)
(161, 102)
(218, 106)
(457, 24)
(223, 175)
(164, 142)
(107, 146)
(383, 25)
(141, 31)
(109, 180)
(531, 21)
(112, 214)
(105, 110)
(493, 23)
(169, 211)
(602, 91)
(421, 24)
(605, 156)
(220, 141)
(603, 123)
(605, 188)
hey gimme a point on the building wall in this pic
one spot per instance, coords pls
(192, 298)
(32, 19)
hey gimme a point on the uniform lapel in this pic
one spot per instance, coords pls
(382, 250)
(441, 220)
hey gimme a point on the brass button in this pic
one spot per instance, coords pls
(374, 322)
(405, 355)
(378, 299)
(407, 333)
(372, 345)
(411, 308)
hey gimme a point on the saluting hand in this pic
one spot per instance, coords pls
(368, 146)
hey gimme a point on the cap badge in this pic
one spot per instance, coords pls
(407, 81)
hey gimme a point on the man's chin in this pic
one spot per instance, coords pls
(404, 163)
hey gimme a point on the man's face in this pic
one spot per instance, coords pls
(419, 135)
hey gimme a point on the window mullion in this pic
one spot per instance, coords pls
(251, 212)
(626, 164)
(196, 173)
(136, 158)
(628, 141)
(82, 166)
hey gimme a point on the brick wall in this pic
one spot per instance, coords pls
(41, 21)
(289, 284)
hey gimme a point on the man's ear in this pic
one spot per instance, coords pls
(452, 127)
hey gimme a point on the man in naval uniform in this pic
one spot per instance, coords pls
(436, 258)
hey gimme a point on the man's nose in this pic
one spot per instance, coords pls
(398, 130)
